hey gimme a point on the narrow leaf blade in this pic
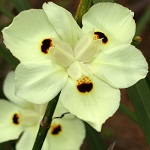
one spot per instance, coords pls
(21, 4)
(8, 57)
(93, 139)
(140, 98)
(6, 12)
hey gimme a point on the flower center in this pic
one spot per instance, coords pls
(84, 85)
(100, 35)
(46, 44)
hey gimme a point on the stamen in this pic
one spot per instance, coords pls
(100, 35)
(46, 44)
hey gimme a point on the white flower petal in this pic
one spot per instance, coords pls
(39, 82)
(121, 66)
(67, 134)
(25, 35)
(9, 89)
(60, 110)
(113, 20)
(86, 52)
(63, 22)
(10, 124)
(30, 117)
(27, 139)
(40, 108)
(62, 53)
(91, 100)
(75, 71)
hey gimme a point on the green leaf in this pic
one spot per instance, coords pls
(148, 81)
(128, 112)
(21, 4)
(143, 21)
(8, 57)
(99, 1)
(9, 145)
(6, 12)
(93, 138)
(140, 98)
(140, 93)
(83, 7)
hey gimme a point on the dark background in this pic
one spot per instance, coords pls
(119, 128)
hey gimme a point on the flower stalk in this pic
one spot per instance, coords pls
(83, 7)
(45, 124)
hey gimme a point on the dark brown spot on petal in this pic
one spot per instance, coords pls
(100, 35)
(15, 119)
(46, 44)
(84, 85)
(56, 129)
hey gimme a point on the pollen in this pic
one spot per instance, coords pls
(15, 119)
(55, 129)
(100, 35)
(84, 85)
(46, 44)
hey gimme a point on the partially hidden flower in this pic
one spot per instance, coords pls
(18, 115)
(88, 65)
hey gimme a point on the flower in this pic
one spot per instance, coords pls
(88, 65)
(18, 115)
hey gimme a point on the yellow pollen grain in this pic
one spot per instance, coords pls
(96, 37)
(84, 79)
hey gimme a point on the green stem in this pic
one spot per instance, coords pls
(45, 124)
(83, 7)
(128, 112)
